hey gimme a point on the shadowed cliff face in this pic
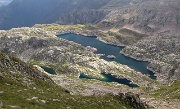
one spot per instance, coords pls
(30, 12)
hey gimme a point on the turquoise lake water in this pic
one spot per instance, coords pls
(110, 78)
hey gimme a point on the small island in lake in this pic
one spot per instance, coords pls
(111, 56)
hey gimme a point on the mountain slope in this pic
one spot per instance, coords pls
(30, 12)
(23, 86)
(11, 66)
(148, 17)
(16, 87)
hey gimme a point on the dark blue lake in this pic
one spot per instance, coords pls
(49, 70)
(107, 49)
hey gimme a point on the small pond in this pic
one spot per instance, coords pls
(48, 70)
(110, 78)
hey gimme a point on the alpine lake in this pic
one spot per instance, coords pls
(107, 50)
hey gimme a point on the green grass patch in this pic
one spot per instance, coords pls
(34, 63)
(42, 95)
(60, 28)
(167, 92)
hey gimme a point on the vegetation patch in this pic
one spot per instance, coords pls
(42, 95)
(167, 92)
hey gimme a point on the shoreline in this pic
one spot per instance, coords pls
(85, 35)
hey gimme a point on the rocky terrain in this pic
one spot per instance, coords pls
(162, 50)
(122, 38)
(14, 68)
(163, 53)
(24, 86)
(147, 17)
(42, 48)
(149, 30)
(159, 20)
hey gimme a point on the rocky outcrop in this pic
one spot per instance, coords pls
(13, 67)
(133, 100)
(111, 56)
(163, 53)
